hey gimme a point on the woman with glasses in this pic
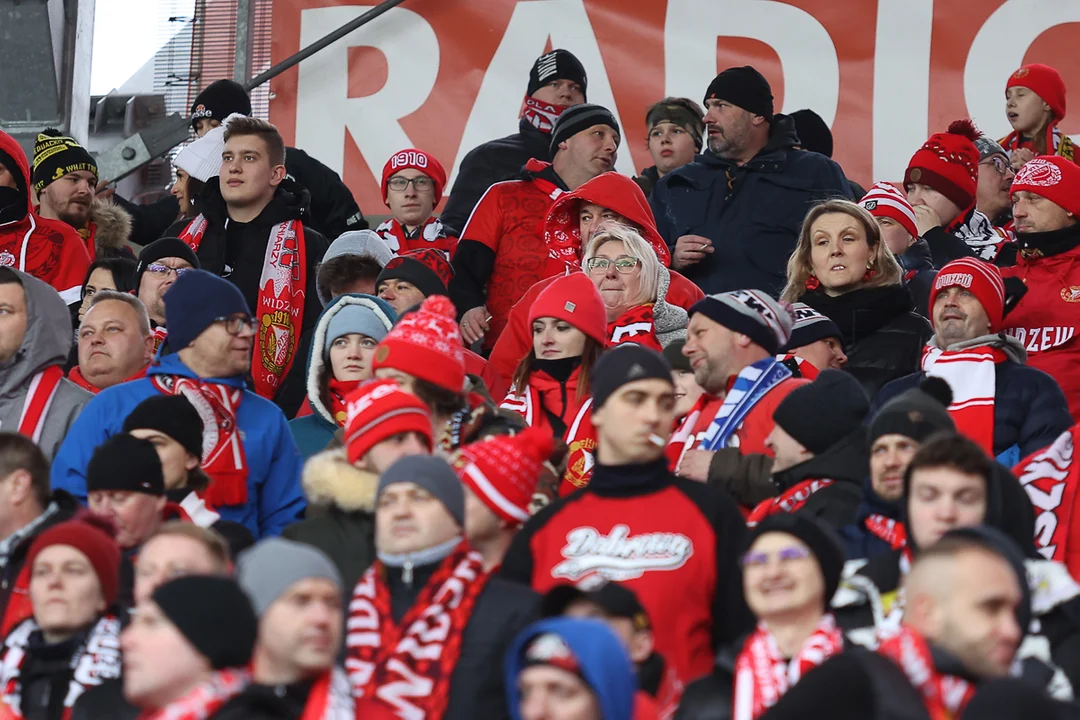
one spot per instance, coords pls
(342, 348)
(550, 387)
(412, 185)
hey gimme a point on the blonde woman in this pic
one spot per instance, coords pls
(842, 269)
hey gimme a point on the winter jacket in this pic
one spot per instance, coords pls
(237, 251)
(647, 180)
(859, 542)
(274, 495)
(50, 250)
(1030, 410)
(751, 212)
(108, 231)
(104, 701)
(341, 513)
(674, 542)
(45, 345)
(501, 253)
(919, 274)
(972, 235)
(711, 697)
(431, 235)
(312, 432)
(883, 339)
(1047, 318)
(489, 163)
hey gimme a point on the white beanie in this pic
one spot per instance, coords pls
(201, 159)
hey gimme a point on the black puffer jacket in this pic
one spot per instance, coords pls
(919, 274)
(846, 463)
(883, 339)
(710, 697)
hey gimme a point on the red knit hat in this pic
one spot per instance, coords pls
(884, 200)
(503, 471)
(1051, 177)
(576, 300)
(89, 535)
(949, 163)
(380, 409)
(982, 279)
(417, 160)
(1045, 82)
(427, 344)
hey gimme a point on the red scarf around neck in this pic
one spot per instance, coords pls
(75, 375)
(1057, 143)
(330, 698)
(206, 699)
(971, 374)
(39, 397)
(224, 459)
(542, 115)
(887, 529)
(1051, 478)
(943, 695)
(637, 326)
(788, 501)
(336, 392)
(280, 310)
(407, 666)
(763, 674)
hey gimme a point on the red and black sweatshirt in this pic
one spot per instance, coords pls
(674, 542)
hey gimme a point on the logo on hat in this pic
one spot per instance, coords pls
(546, 66)
(916, 174)
(569, 307)
(201, 111)
(409, 158)
(1071, 294)
(381, 353)
(636, 371)
(1039, 173)
(870, 205)
(1022, 72)
(948, 280)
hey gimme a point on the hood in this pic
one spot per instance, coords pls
(113, 225)
(317, 374)
(846, 461)
(14, 159)
(604, 664)
(874, 504)
(917, 257)
(669, 321)
(614, 192)
(291, 201)
(1013, 348)
(47, 340)
(329, 480)
(782, 134)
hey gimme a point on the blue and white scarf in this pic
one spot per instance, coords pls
(752, 383)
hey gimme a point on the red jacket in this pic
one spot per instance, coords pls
(1048, 317)
(431, 235)
(50, 250)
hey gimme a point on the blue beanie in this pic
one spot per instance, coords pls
(367, 315)
(194, 301)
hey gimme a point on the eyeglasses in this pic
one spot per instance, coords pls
(164, 270)
(421, 183)
(624, 264)
(235, 324)
(785, 555)
(999, 163)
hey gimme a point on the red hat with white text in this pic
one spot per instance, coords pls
(414, 159)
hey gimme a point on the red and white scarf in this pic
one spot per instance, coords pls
(407, 666)
(336, 392)
(887, 529)
(691, 429)
(943, 695)
(431, 234)
(805, 368)
(224, 459)
(788, 501)
(971, 374)
(636, 325)
(39, 397)
(96, 660)
(330, 698)
(763, 675)
(1051, 478)
(542, 115)
(206, 699)
(280, 310)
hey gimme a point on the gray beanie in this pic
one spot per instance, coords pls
(267, 570)
(431, 473)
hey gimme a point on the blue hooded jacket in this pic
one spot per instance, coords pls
(604, 664)
(275, 498)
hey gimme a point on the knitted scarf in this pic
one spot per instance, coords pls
(971, 373)
(944, 695)
(431, 235)
(407, 666)
(887, 529)
(1051, 478)
(636, 325)
(763, 675)
(206, 699)
(752, 383)
(336, 392)
(330, 698)
(788, 501)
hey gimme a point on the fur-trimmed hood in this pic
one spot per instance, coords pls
(112, 225)
(330, 480)
(669, 320)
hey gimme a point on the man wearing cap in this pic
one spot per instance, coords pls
(993, 197)
(732, 217)
(672, 541)
(674, 128)
(393, 661)
(412, 276)
(249, 453)
(1046, 203)
(898, 222)
(114, 340)
(125, 484)
(557, 81)
(1010, 409)
(412, 185)
(161, 263)
(65, 183)
(502, 252)
(300, 602)
(815, 345)
(352, 264)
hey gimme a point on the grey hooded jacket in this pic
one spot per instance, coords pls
(46, 343)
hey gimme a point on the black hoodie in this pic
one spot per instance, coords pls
(846, 464)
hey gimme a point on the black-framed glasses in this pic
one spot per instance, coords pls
(624, 264)
(235, 324)
(1000, 164)
(784, 555)
(421, 183)
(164, 270)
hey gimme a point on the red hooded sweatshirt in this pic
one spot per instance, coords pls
(50, 250)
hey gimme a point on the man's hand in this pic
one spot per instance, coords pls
(690, 249)
(926, 218)
(695, 465)
(1020, 157)
(474, 324)
(103, 191)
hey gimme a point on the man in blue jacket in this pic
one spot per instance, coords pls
(248, 451)
(732, 217)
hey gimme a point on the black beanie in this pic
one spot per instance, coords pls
(163, 248)
(743, 87)
(557, 65)
(814, 134)
(124, 462)
(673, 354)
(219, 100)
(413, 271)
(822, 413)
(215, 616)
(626, 364)
(917, 413)
(578, 118)
(822, 540)
(56, 155)
(171, 415)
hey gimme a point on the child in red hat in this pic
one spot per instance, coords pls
(1035, 104)
(412, 185)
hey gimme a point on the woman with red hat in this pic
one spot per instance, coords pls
(550, 387)
(1035, 104)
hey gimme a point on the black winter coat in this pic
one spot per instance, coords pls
(487, 164)
(860, 543)
(236, 251)
(751, 212)
(710, 697)
(883, 339)
(104, 701)
(919, 274)
(846, 463)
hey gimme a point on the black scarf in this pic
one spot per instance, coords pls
(1054, 242)
(863, 312)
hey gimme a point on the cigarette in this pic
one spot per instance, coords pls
(657, 440)
(487, 319)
